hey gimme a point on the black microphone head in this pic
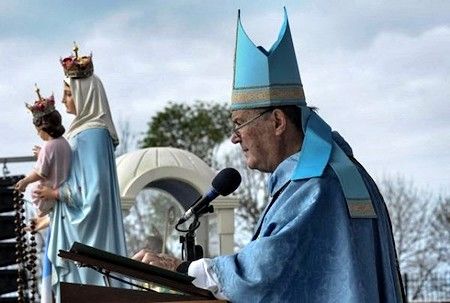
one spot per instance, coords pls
(226, 181)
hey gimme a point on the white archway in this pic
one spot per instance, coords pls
(183, 175)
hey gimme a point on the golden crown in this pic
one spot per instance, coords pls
(42, 106)
(77, 67)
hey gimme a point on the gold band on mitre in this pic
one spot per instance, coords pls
(271, 93)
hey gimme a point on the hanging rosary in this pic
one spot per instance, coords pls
(25, 252)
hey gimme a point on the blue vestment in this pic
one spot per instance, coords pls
(309, 249)
(89, 209)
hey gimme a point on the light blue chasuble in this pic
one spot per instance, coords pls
(309, 249)
(89, 208)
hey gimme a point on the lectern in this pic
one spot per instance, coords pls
(179, 286)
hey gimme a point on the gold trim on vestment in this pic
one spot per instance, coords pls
(267, 93)
(361, 208)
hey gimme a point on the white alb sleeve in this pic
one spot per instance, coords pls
(205, 277)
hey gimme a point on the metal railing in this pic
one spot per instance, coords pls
(434, 287)
(6, 160)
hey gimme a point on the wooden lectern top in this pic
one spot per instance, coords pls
(107, 263)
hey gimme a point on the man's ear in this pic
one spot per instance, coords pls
(280, 121)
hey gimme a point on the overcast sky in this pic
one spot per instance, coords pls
(377, 70)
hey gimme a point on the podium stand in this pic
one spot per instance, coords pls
(111, 265)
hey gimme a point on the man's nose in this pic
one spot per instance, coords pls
(235, 138)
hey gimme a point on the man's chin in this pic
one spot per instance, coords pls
(251, 164)
(250, 161)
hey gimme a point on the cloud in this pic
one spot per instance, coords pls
(378, 71)
(390, 100)
(143, 67)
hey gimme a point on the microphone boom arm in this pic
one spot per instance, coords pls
(224, 183)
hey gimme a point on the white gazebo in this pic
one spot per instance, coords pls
(184, 176)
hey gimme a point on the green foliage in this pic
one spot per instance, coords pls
(198, 128)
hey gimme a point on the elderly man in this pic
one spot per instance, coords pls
(325, 236)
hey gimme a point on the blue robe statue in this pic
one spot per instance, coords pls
(89, 209)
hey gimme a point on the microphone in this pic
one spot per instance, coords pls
(224, 183)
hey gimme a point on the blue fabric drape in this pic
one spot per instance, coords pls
(89, 209)
(309, 249)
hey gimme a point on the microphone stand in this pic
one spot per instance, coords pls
(189, 250)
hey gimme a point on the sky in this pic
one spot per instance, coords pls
(377, 70)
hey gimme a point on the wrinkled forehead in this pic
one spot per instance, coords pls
(243, 114)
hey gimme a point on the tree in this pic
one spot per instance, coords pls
(252, 194)
(420, 224)
(440, 233)
(127, 138)
(440, 228)
(151, 221)
(198, 128)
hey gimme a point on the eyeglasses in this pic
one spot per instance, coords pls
(240, 126)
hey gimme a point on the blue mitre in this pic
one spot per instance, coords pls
(266, 78)
(271, 78)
